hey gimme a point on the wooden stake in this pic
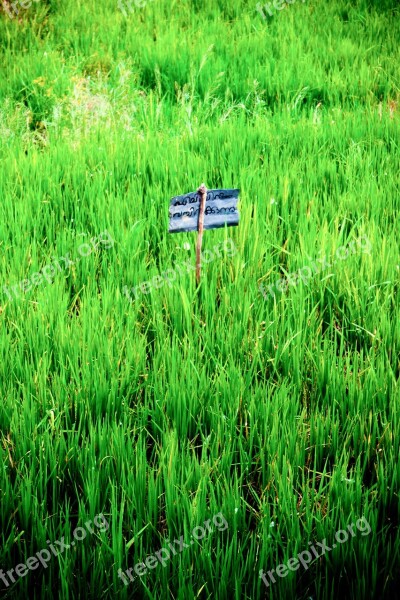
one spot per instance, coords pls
(202, 191)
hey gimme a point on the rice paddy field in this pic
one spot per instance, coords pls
(233, 440)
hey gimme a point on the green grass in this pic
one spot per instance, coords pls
(189, 402)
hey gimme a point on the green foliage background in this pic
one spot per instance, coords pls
(282, 413)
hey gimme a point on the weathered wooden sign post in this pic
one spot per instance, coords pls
(204, 209)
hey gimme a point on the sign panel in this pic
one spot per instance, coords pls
(220, 210)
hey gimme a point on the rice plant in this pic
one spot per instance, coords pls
(127, 426)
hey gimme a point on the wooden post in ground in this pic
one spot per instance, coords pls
(202, 191)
